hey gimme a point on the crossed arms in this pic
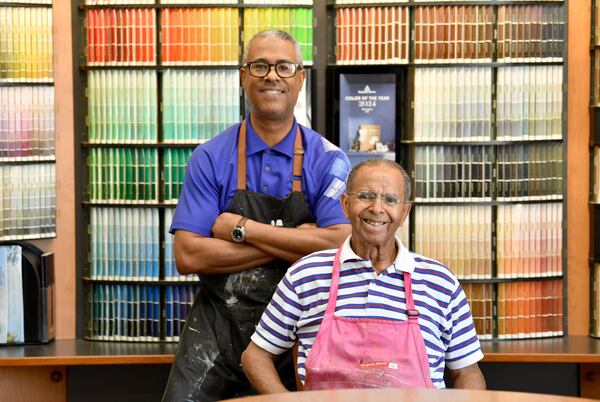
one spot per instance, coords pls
(219, 254)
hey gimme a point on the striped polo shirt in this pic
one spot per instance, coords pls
(299, 304)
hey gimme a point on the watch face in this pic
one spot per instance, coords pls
(238, 234)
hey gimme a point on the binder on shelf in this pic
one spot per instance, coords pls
(31, 320)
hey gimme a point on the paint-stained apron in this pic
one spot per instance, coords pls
(228, 307)
(367, 352)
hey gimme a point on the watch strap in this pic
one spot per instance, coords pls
(241, 222)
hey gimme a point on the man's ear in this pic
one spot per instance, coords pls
(243, 73)
(406, 210)
(345, 207)
(302, 74)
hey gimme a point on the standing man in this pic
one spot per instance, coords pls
(369, 313)
(255, 198)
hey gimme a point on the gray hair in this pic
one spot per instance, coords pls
(275, 34)
(381, 162)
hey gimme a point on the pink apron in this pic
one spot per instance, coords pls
(367, 352)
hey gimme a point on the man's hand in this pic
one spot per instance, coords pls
(224, 225)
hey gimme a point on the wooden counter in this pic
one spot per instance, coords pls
(408, 395)
(570, 349)
(78, 352)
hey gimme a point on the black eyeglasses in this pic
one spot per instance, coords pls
(369, 197)
(284, 69)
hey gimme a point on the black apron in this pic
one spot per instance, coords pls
(228, 307)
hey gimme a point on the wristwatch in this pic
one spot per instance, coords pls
(238, 234)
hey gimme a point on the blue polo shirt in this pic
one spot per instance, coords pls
(211, 177)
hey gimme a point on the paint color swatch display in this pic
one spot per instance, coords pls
(199, 104)
(482, 135)
(596, 54)
(207, 2)
(178, 302)
(530, 33)
(529, 103)
(199, 36)
(123, 175)
(529, 240)
(296, 21)
(453, 173)
(27, 201)
(171, 273)
(122, 106)
(595, 301)
(26, 123)
(26, 44)
(530, 309)
(118, 2)
(124, 312)
(25, 1)
(372, 35)
(529, 171)
(459, 236)
(176, 160)
(124, 244)
(453, 104)
(595, 175)
(596, 78)
(353, 2)
(450, 34)
(124, 36)
(280, 2)
(161, 77)
(480, 296)
(454, 34)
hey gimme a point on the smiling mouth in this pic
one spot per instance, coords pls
(272, 91)
(374, 223)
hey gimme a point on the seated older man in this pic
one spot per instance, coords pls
(371, 313)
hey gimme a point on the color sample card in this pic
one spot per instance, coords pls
(122, 106)
(200, 36)
(26, 44)
(199, 104)
(124, 36)
(26, 123)
(372, 35)
(27, 201)
(296, 21)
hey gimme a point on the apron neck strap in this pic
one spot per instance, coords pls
(241, 157)
(335, 280)
(298, 158)
(411, 311)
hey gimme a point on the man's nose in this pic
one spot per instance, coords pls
(377, 204)
(272, 74)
